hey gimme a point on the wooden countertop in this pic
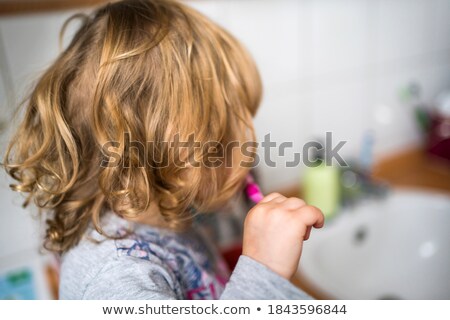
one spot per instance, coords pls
(414, 168)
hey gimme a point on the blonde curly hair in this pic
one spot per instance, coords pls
(152, 69)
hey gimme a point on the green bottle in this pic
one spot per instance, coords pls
(321, 186)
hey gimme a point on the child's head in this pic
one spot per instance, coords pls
(147, 71)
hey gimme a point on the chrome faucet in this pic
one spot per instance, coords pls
(357, 184)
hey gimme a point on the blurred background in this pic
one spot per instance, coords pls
(375, 73)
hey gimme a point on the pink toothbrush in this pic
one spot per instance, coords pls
(252, 190)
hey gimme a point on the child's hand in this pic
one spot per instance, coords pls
(274, 231)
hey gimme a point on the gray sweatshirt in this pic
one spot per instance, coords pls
(155, 263)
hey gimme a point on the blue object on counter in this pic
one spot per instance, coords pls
(366, 156)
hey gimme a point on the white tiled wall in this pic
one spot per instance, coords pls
(327, 65)
(340, 32)
(441, 25)
(404, 28)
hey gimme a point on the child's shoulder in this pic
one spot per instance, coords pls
(82, 263)
(128, 250)
(114, 251)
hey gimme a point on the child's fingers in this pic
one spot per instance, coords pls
(293, 203)
(319, 224)
(308, 232)
(276, 197)
(311, 216)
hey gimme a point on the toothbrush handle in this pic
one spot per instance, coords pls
(252, 190)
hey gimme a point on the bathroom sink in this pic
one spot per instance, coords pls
(397, 247)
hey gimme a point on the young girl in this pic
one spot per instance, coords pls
(122, 216)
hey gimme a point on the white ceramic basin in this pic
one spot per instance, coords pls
(393, 248)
